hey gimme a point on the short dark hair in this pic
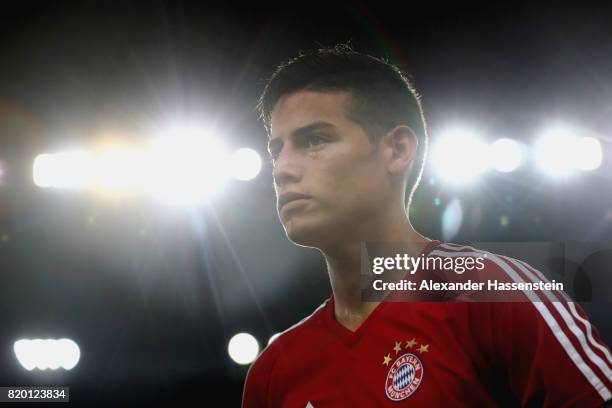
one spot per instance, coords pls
(382, 97)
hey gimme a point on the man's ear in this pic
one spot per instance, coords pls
(402, 143)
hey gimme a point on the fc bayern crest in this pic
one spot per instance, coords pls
(404, 377)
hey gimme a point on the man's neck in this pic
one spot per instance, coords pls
(344, 268)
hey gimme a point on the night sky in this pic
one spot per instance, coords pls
(152, 294)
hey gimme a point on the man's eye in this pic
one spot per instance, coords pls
(315, 141)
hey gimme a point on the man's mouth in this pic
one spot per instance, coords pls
(291, 200)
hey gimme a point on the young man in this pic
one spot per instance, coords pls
(348, 142)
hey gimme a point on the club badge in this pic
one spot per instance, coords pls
(405, 374)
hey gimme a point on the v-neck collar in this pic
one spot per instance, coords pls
(348, 337)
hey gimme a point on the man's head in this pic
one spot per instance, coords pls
(344, 128)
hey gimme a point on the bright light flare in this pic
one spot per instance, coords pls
(2, 172)
(63, 170)
(245, 164)
(186, 166)
(452, 219)
(560, 152)
(243, 348)
(119, 168)
(554, 152)
(47, 353)
(589, 154)
(459, 157)
(183, 166)
(506, 155)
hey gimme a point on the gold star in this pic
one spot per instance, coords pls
(411, 343)
(398, 347)
(424, 348)
(387, 359)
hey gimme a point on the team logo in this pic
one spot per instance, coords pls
(404, 377)
(406, 373)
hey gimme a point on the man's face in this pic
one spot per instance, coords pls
(329, 178)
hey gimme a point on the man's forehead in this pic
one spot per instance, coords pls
(301, 108)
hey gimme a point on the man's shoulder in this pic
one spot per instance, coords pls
(504, 278)
(452, 249)
(491, 261)
(291, 337)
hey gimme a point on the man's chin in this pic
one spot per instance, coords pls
(304, 235)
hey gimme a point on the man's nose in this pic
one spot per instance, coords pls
(286, 167)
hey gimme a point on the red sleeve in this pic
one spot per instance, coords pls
(551, 354)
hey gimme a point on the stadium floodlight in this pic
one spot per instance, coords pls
(47, 353)
(561, 151)
(119, 169)
(63, 170)
(245, 164)
(506, 155)
(554, 151)
(185, 166)
(588, 153)
(243, 348)
(459, 157)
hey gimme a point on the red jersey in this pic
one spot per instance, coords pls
(438, 354)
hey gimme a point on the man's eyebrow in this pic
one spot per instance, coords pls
(312, 127)
(304, 130)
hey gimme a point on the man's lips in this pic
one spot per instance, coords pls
(289, 197)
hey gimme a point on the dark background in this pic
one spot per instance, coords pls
(151, 294)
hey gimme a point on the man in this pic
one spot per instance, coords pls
(348, 143)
